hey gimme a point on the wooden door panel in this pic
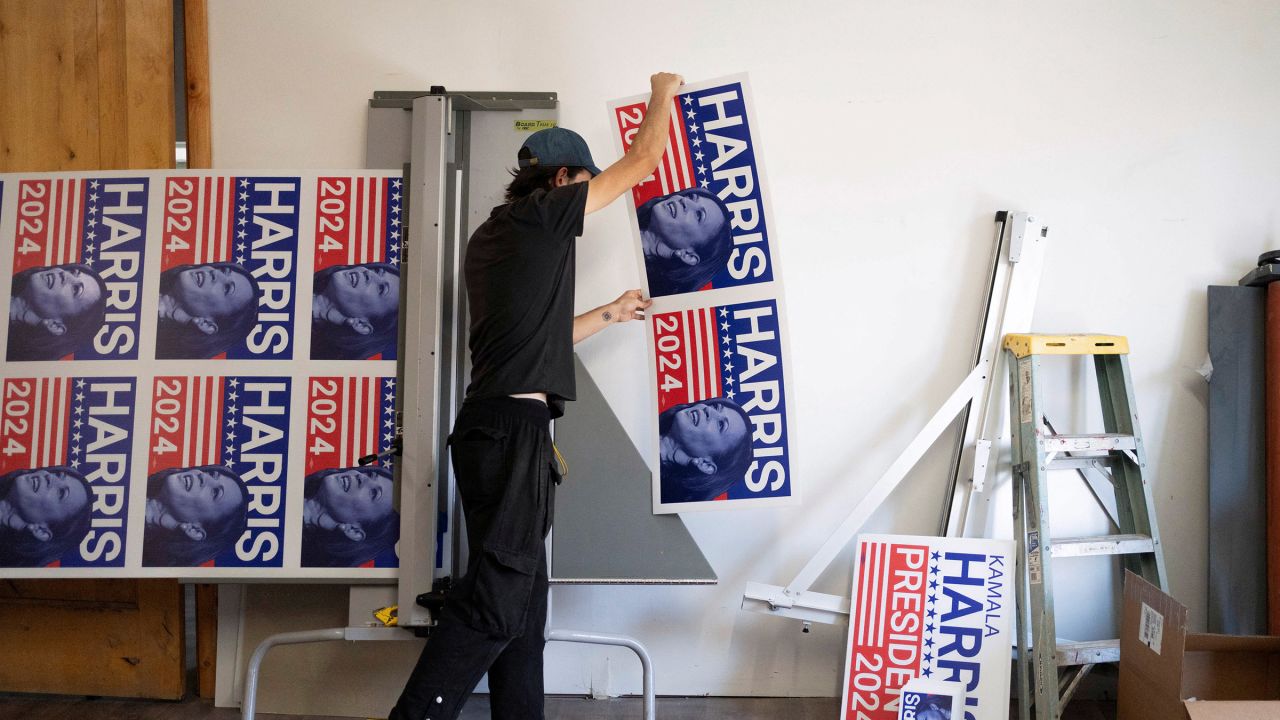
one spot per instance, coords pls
(88, 84)
(93, 637)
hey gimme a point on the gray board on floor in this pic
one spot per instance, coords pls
(605, 530)
(1237, 469)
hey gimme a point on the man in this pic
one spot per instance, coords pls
(519, 272)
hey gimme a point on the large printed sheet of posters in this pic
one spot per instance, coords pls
(194, 365)
(935, 608)
(718, 344)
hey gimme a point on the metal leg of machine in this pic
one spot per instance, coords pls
(646, 663)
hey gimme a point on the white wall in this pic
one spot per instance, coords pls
(1146, 132)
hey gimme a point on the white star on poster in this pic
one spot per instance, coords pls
(231, 409)
(730, 394)
(94, 197)
(244, 196)
(728, 353)
(724, 312)
(231, 450)
(75, 463)
(705, 183)
(79, 383)
(231, 422)
(696, 142)
(728, 380)
(391, 382)
(395, 183)
(387, 437)
(93, 184)
(242, 235)
(92, 222)
(688, 100)
(728, 367)
(240, 247)
(244, 183)
(233, 382)
(233, 395)
(691, 115)
(231, 436)
(395, 261)
(242, 221)
(391, 397)
(389, 424)
(724, 326)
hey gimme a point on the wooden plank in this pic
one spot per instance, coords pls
(48, 70)
(112, 112)
(77, 646)
(149, 83)
(206, 639)
(199, 122)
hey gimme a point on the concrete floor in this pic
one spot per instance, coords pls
(47, 707)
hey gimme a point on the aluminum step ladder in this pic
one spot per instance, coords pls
(1049, 671)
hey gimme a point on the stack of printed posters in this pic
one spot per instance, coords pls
(194, 363)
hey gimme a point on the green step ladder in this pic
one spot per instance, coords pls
(1049, 671)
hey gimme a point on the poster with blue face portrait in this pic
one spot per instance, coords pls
(723, 437)
(78, 253)
(65, 457)
(702, 219)
(355, 305)
(216, 480)
(228, 268)
(349, 519)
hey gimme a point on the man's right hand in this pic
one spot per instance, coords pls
(665, 84)
(646, 147)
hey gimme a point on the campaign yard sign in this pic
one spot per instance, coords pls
(356, 287)
(934, 608)
(348, 517)
(723, 437)
(703, 217)
(78, 253)
(228, 268)
(217, 472)
(65, 461)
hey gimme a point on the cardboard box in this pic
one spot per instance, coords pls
(1167, 673)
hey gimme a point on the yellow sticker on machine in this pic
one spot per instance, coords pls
(534, 125)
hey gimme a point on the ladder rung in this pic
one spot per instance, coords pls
(1088, 653)
(1079, 462)
(1101, 545)
(1078, 443)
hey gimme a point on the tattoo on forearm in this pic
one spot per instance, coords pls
(607, 316)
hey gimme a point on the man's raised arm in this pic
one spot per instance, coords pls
(646, 149)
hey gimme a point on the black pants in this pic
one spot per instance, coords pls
(494, 618)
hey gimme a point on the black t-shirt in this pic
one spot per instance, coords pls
(519, 270)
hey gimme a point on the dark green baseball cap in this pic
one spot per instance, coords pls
(556, 147)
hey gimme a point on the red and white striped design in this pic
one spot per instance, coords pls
(344, 416)
(215, 219)
(368, 221)
(186, 422)
(50, 405)
(675, 170)
(202, 421)
(692, 337)
(873, 581)
(49, 227)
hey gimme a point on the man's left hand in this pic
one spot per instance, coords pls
(630, 305)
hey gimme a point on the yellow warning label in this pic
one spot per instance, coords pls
(534, 125)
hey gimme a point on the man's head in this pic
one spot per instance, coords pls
(548, 159)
